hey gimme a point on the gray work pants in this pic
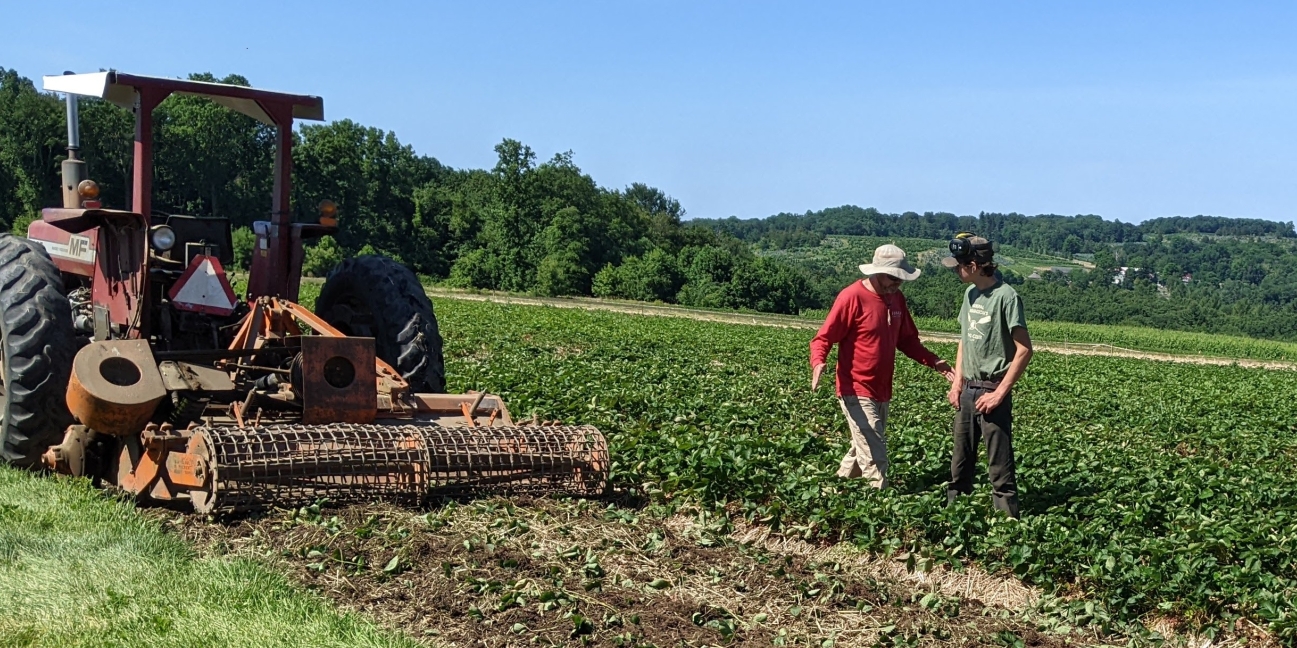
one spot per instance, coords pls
(996, 428)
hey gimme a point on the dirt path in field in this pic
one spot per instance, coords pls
(786, 321)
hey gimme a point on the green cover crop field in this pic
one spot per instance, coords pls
(1150, 488)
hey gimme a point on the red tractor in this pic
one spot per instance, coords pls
(128, 358)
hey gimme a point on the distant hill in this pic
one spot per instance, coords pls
(1204, 273)
(1044, 233)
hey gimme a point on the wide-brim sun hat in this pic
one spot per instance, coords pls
(890, 260)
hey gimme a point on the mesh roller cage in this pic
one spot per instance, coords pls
(292, 465)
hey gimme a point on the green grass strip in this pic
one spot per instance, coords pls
(81, 569)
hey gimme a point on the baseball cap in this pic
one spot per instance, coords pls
(979, 249)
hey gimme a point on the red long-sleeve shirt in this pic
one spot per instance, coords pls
(868, 329)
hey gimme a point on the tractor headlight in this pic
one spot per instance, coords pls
(162, 238)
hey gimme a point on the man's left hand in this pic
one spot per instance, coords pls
(986, 403)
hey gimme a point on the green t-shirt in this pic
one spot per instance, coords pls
(986, 322)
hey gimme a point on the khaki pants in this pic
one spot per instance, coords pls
(867, 457)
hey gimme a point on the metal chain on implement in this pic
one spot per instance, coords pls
(290, 465)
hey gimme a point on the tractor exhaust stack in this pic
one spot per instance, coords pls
(74, 168)
(74, 125)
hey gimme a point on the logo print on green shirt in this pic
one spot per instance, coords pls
(977, 316)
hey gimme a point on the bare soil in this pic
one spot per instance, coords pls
(500, 573)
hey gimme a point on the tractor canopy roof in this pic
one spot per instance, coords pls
(121, 89)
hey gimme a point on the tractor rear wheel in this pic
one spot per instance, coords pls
(36, 349)
(374, 296)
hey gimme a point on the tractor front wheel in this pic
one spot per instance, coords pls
(36, 349)
(374, 296)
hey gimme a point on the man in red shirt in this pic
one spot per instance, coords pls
(869, 321)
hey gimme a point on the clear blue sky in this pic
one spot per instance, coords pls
(1126, 110)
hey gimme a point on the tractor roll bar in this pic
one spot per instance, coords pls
(143, 93)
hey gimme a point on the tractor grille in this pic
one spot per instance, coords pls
(292, 465)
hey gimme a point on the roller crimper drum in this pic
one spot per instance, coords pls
(289, 465)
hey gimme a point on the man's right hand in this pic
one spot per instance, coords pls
(815, 376)
(952, 395)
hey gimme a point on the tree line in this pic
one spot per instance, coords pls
(1044, 233)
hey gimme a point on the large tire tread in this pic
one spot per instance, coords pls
(37, 341)
(399, 315)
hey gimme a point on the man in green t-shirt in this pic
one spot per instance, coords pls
(994, 349)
